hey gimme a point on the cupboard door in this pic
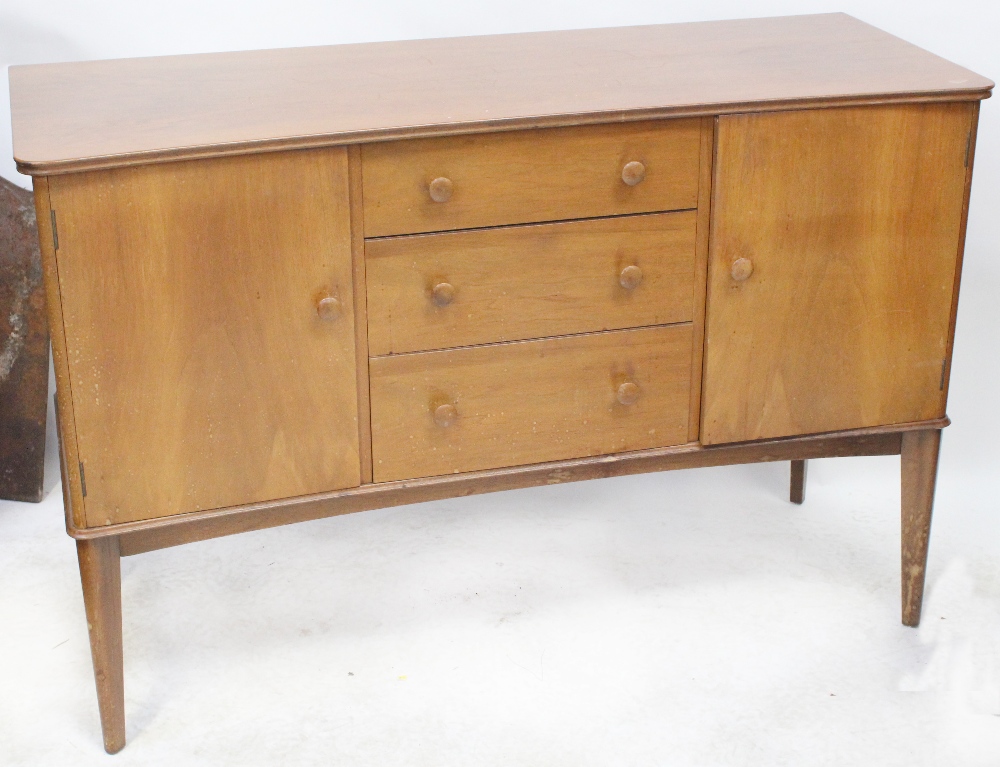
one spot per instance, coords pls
(202, 373)
(835, 241)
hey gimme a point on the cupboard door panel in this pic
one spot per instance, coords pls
(835, 236)
(202, 373)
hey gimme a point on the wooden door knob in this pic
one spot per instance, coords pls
(742, 269)
(630, 277)
(633, 172)
(328, 308)
(628, 393)
(440, 189)
(443, 293)
(445, 415)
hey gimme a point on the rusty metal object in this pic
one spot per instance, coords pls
(24, 349)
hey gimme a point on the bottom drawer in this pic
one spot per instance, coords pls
(486, 407)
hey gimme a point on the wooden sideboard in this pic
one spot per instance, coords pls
(290, 284)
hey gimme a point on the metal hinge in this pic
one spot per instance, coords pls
(968, 148)
(55, 231)
(83, 480)
(944, 365)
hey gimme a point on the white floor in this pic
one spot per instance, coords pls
(689, 618)
(686, 618)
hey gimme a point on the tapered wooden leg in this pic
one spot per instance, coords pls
(100, 572)
(797, 494)
(919, 473)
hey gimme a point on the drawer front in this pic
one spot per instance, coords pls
(527, 176)
(463, 288)
(512, 404)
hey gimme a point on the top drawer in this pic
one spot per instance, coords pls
(527, 176)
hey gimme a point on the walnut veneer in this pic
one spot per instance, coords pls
(284, 285)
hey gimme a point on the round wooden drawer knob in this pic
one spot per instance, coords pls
(328, 308)
(445, 415)
(633, 173)
(630, 278)
(443, 293)
(742, 269)
(628, 393)
(440, 189)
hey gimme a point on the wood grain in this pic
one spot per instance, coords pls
(100, 575)
(852, 218)
(67, 497)
(970, 156)
(522, 282)
(140, 537)
(527, 176)
(529, 402)
(202, 375)
(360, 312)
(65, 415)
(703, 233)
(919, 460)
(99, 113)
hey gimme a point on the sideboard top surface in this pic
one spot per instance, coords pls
(75, 116)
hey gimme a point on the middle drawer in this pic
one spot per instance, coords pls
(465, 288)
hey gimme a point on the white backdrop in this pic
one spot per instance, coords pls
(669, 619)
